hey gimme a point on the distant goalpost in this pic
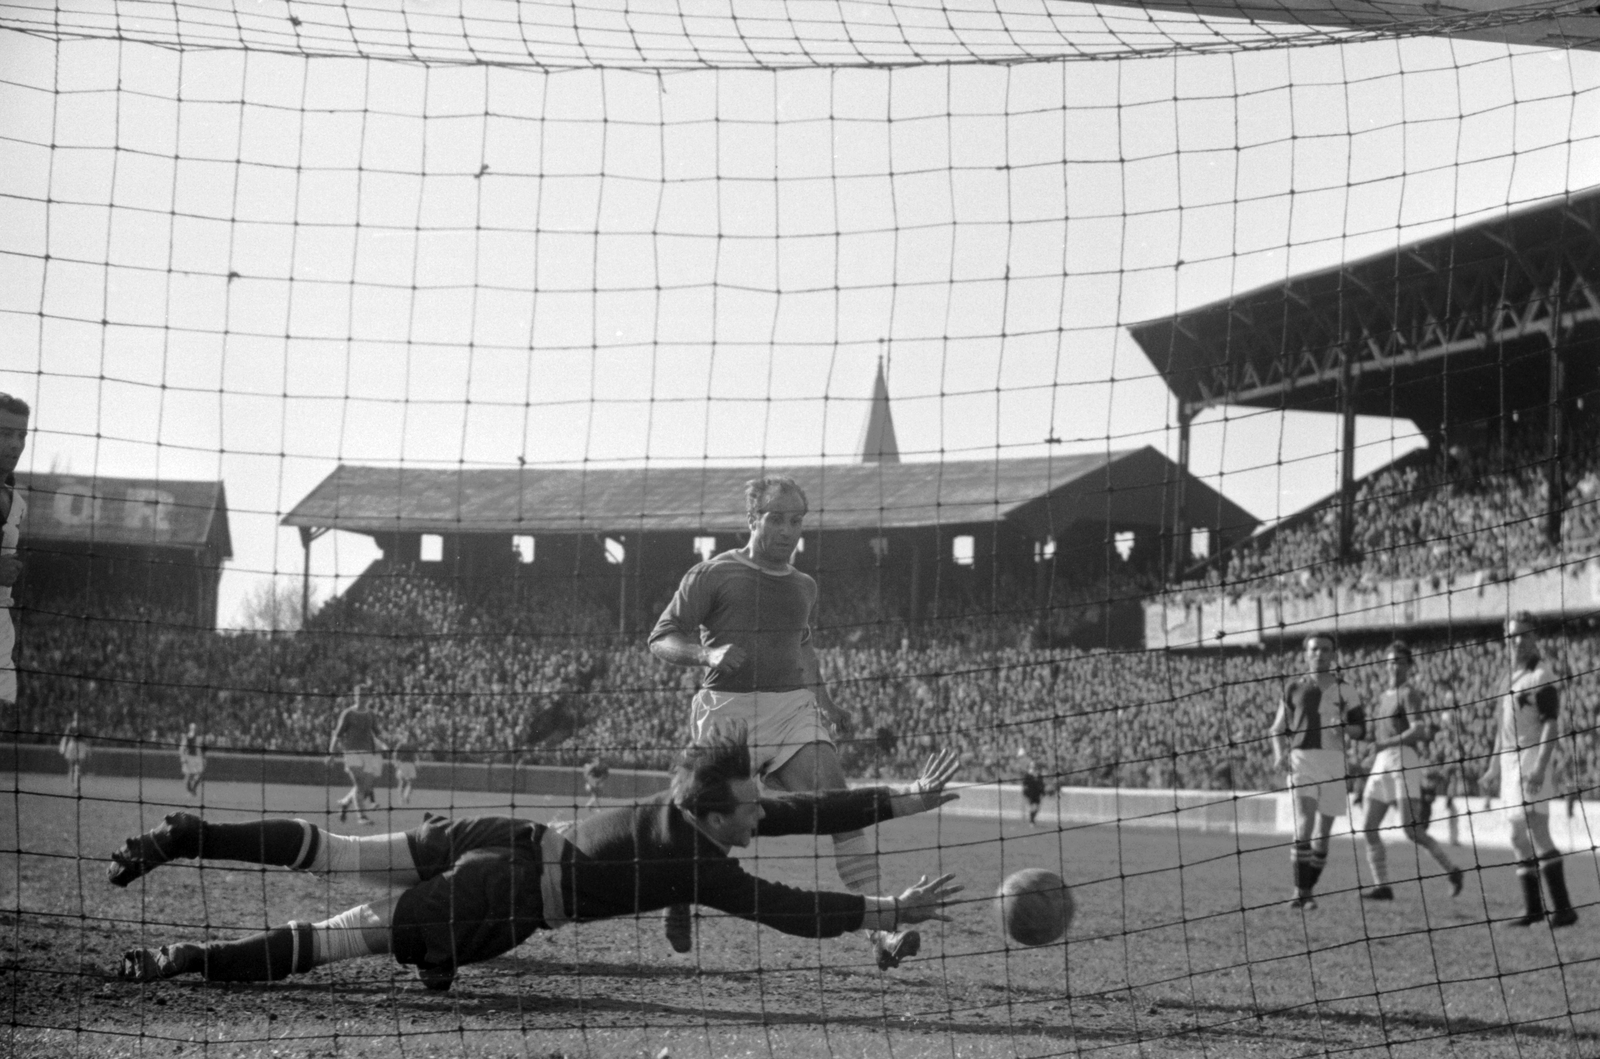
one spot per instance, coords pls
(357, 274)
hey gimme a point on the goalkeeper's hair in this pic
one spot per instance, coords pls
(702, 782)
(15, 405)
(758, 491)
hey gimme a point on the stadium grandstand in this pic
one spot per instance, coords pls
(1484, 338)
(97, 545)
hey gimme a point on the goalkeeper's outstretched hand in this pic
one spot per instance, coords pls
(925, 900)
(928, 790)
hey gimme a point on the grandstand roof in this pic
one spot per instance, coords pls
(1129, 486)
(1478, 305)
(149, 512)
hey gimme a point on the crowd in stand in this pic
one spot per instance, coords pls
(998, 671)
(1437, 514)
(505, 678)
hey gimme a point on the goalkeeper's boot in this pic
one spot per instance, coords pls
(1563, 917)
(1457, 880)
(1381, 892)
(169, 961)
(892, 947)
(680, 928)
(178, 837)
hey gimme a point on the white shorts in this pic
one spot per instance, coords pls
(777, 723)
(369, 762)
(405, 771)
(1512, 788)
(1320, 775)
(194, 765)
(1396, 773)
(75, 751)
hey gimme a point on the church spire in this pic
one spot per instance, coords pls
(878, 443)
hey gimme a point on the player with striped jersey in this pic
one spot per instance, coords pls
(1524, 743)
(1399, 727)
(1317, 714)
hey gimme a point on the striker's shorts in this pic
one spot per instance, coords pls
(1320, 775)
(777, 723)
(192, 764)
(367, 762)
(485, 888)
(1396, 773)
(405, 771)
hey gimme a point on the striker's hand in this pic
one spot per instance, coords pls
(926, 900)
(728, 658)
(10, 570)
(836, 715)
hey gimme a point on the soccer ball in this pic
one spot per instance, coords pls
(1035, 907)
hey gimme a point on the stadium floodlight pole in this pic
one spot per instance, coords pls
(307, 535)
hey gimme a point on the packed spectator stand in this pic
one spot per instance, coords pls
(503, 674)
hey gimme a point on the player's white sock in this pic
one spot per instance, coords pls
(857, 861)
(376, 858)
(359, 931)
(1378, 861)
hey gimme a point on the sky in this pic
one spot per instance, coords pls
(254, 266)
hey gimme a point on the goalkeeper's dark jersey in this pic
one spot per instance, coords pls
(648, 856)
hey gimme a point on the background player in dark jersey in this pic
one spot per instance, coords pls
(1524, 743)
(744, 618)
(192, 759)
(1398, 726)
(595, 774)
(355, 734)
(479, 886)
(1032, 784)
(1317, 713)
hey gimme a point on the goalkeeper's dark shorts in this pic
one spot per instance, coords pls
(484, 889)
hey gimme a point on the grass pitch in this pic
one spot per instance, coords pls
(1181, 947)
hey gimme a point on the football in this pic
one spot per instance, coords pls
(1035, 907)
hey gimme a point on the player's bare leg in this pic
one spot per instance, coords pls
(816, 767)
(1377, 853)
(1412, 827)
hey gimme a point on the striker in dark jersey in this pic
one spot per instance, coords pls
(482, 890)
(731, 600)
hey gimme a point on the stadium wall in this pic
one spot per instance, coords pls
(1263, 813)
(161, 763)
(1569, 591)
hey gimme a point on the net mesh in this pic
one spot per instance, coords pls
(411, 355)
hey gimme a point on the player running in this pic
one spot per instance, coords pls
(479, 886)
(405, 768)
(595, 774)
(74, 747)
(744, 618)
(355, 735)
(192, 759)
(1397, 776)
(1524, 742)
(1316, 715)
(14, 414)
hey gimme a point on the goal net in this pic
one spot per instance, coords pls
(1147, 373)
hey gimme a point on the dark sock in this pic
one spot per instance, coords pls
(1555, 880)
(1319, 860)
(1528, 876)
(1300, 857)
(264, 957)
(285, 843)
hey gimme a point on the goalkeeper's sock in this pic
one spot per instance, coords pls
(264, 957)
(284, 843)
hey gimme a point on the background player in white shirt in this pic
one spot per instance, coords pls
(1317, 713)
(1524, 743)
(1399, 726)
